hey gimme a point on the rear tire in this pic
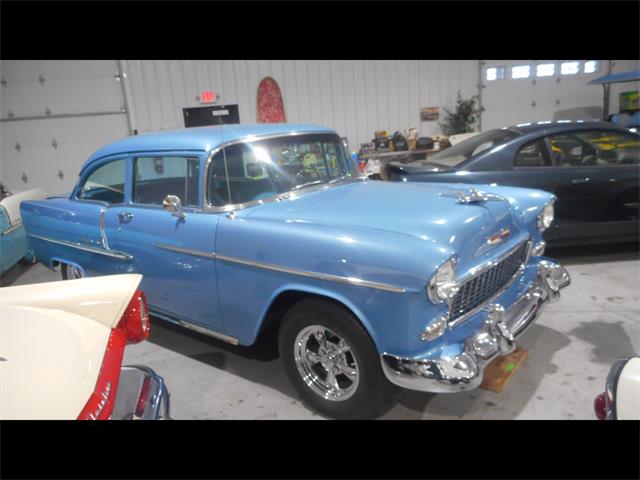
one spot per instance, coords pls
(69, 272)
(327, 345)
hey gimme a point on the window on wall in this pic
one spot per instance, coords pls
(495, 73)
(521, 71)
(157, 177)
(545, 69)
(591, 66)
(105, 184)
(569, 68)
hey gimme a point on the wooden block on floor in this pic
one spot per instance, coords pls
(500, 370)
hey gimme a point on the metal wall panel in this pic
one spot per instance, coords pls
(354, 97)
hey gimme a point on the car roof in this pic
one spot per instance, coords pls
(198, 138)
(562, 125)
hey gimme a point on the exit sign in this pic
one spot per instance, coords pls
(207, 96)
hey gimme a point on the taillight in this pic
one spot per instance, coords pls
(133, 327)
(101, 402)
(600, 406)
(135, 321)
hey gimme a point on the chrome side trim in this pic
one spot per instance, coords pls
(211, 333)
(318, 276)
(85, 248)
(11, 229)
(276, 268)
(196, 328)
(188, 251)
(103, 233)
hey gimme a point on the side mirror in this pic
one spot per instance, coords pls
(172, 203)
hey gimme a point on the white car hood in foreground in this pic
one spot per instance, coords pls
(52, 341)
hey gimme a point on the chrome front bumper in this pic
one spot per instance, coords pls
(142, 395)
(496, 337)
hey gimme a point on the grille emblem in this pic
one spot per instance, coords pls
(498, 237)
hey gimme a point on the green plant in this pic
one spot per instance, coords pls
(463, 119)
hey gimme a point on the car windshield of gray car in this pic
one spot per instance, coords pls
(453, 156)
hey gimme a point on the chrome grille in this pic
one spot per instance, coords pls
(481, 287)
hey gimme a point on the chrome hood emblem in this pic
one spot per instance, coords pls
(476, 196)
(498, 237)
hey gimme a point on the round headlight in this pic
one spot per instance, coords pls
(443, 285)
(545, 219)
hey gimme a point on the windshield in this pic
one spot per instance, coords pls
(471, 147)
(250, 171)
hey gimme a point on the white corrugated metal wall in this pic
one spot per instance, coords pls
(354, 97)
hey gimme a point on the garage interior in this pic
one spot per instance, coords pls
(54, 114)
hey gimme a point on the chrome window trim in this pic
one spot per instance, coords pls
(208, 207)
(86, 248)
(457, 321)
(11, 229)
(292, 271)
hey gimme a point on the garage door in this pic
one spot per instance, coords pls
(54, 115)
(553, 91)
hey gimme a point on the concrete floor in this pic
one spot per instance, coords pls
(570, 350)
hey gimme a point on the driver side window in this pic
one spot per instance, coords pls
(105, 183)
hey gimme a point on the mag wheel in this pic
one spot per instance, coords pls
(332, 362)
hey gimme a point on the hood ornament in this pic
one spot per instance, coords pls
(476, 196)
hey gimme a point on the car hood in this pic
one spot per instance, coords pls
(422, 210)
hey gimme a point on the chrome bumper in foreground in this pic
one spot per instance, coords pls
(142, 395)
(496, 337)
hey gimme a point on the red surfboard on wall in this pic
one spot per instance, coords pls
(270, 105)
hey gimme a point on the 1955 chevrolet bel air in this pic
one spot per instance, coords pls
(242, 229)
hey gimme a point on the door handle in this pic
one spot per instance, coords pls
(125, 217)
(577, 181)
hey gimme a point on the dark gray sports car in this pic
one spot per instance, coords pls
(592, 167)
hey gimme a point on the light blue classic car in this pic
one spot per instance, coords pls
(242, 229)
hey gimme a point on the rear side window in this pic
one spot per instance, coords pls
(105, 183)
(595, 148)
(157, 177)
(532, 154)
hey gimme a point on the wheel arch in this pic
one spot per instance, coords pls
(287, 296)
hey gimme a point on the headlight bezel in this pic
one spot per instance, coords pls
(435, 285)
(543, 223)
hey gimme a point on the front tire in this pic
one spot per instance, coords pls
(332, 362)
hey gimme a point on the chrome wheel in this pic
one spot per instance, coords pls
(74, 272)
(326, 363)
